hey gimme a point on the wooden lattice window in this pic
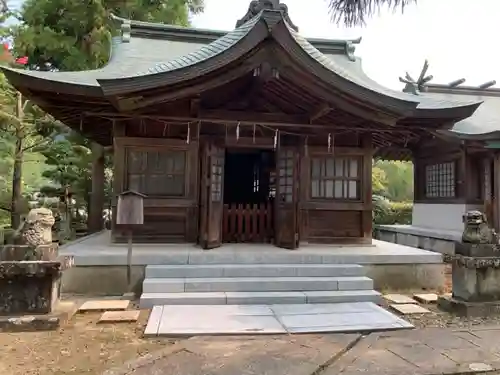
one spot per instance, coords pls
(157, 173)
(285, 180)
(216, 178)
(440, 180)
(335, 177)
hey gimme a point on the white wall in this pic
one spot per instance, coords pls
(440, 216)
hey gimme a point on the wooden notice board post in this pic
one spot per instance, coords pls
(130, 213)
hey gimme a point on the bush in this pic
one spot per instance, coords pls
(401, 212)
(6, 236)
(388, 213)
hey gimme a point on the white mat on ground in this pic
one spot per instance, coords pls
(271, 319)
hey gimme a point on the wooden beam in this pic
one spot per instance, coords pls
(183, 119)
(194, 107)
(253, 117)
(195, 88)
(319, 111)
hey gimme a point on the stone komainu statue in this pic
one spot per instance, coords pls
(36, 229)
(477, 230)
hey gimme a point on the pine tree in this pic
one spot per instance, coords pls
(76, 35)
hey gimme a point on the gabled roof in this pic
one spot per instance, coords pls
(148, 58)
(145, 46)
(483, 124)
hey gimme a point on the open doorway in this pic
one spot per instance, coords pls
(249, 190)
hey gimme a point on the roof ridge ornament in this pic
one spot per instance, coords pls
(256, 6)
(417, 86)
(350, 48)
(126, 31)
(125, 26)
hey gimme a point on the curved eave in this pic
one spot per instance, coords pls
(207, 59)
(342, 78)
(490, 136)
(49, 82)
(243, 40)
(453, 111)
(74, 82)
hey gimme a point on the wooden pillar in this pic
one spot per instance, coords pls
(97, 195)
(119, 130)
(496, 191)
(366, 185)
(462, 174)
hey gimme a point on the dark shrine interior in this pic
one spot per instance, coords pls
(249, 176)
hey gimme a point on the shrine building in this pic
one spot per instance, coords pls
(456, 171)
(259, 134)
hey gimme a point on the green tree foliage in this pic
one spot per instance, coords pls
(70, 162)
(392, 186)
(379, 180)
(24, 128)
(76, 34)
(69, 35)
(393, 180)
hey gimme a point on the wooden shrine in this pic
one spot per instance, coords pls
(255, 135)
(457, 169)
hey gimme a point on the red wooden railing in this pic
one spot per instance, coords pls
(247, 223)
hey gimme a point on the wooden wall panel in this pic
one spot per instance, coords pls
(166, 219)
(468, 166)
(327, 226)
(337, 220)
(161, 225)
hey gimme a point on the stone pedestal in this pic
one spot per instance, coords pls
(475, 280)
(29, 289)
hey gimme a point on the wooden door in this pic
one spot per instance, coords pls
(212, 202)
(287, 196)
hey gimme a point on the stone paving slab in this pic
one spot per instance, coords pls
(128, 316)
(249, 355)
(428, 351)
(409, 308)
(398, 298)
(104, 305)
(422, 352)
(270, 319)
(426, 297)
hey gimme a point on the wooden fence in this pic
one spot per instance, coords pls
(248, 223)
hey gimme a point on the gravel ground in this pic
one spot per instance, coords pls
(80, 347)
(438, 318)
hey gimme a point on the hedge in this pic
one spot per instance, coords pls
(387, 212)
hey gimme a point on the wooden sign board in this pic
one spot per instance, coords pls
(130, 209)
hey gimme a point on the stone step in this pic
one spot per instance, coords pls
(149, 300)
(255, 284)
(254, 270)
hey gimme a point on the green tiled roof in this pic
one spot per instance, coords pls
(206, 52)
(485, 120)
(145, 55)
(351, 70)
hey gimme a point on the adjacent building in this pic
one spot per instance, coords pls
(456, 171)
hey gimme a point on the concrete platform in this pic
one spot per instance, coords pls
(148, 300)
(100, 267)
(433, 239)
(97, 250)
(249, 270)
(255, 284)
(191, 320)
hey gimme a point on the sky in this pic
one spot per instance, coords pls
(460, 38)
